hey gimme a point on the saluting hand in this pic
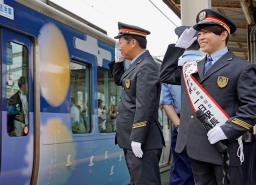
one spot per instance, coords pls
(118, 55)
(136, 149)
(187, 38)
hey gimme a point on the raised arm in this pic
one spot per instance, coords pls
(170, 71)
(117, 70)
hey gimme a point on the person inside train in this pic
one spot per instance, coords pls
(74, 115)
(18, 110)
(102, 115)
(82, 121)
(85, 119)
(112, 117)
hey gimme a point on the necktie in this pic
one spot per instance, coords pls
(208, 64)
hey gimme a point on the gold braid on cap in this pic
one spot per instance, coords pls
(214, 19)
(133, 32)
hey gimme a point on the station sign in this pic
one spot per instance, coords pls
(6, 11)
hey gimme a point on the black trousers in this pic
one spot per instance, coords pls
(211, 174)
(145, 170)
(249, 164)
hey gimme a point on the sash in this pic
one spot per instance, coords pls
(200, 99)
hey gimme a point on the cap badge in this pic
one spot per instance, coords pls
(127, 83)
(202, 16)
(222, 81)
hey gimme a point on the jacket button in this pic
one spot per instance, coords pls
(192, 116)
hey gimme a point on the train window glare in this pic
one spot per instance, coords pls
(108, 94)
(80, 104)
(17, 89)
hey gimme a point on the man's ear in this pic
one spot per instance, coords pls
(224, 35)
(134, 42)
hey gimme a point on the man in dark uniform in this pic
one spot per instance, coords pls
(138, 131)
(227, 79)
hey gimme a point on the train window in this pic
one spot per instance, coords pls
(108, 94)
(17, 89)
(80, 104)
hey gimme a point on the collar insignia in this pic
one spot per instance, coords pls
(127, 83)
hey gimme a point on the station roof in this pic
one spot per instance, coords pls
(242, 12)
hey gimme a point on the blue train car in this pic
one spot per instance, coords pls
(58, 100)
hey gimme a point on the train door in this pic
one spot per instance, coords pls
(16, 139)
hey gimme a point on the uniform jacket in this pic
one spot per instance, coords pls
(137, 118)
(237, 98)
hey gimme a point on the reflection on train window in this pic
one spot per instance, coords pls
(79, 100)
(108, 94)
(17, 89)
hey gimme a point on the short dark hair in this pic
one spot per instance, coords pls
(141, 40)
(21, 81)
(217, 30)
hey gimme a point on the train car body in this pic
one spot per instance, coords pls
(66, 136)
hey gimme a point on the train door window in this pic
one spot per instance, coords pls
(17, 89)
(80, 104)
(107, 93)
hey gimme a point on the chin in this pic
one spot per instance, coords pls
(128, 58)
(205, 50)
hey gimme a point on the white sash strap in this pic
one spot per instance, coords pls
(201, 100)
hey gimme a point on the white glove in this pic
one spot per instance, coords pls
(216, 134)
(187, 38)
(118, 55)
(136, 149)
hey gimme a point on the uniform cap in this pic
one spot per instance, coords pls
(126, 29)
(209, 17)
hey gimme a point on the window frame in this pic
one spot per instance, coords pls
(24, 48)
(89, 100)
